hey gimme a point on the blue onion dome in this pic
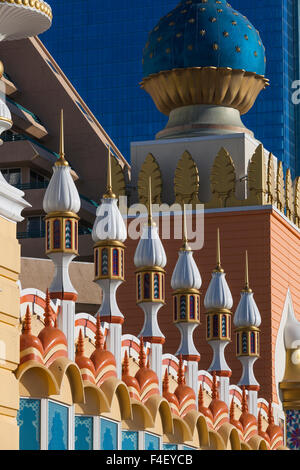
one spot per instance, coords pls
(205, 33)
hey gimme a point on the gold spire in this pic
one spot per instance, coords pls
(247, 288)
(150, 215)
(218, 267)
(61, 161)
(109, 192)
(185, 246)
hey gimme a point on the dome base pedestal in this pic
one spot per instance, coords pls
(201, 120)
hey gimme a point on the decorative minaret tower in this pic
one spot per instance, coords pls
(109, 233)
(186, 282)
(247, 320)
(150, 260)
(218, 302)
(61, 204)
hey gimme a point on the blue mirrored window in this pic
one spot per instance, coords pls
(29, 422)
(109, 435)
(83, 433)
(58, 423)
(130, 440)
(170, 447)
(151, 442)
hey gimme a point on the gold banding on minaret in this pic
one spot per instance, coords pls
(109, 191)
(62, 161)
(218, 267)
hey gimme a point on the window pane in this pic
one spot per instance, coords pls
(83, 433)
(58, 426)
(29, 421)
(151, 442)
(109, 435)
(169, 447)
(130, 440)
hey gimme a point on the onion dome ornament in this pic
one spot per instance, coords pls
(103, 360)
(85, 364)
(247, 320)
(186, 282)
(170, 397)
(146, 377)
(109, 233)
(53, 339)
(31, 348)
(248, 420)
(131, 382)
(185, 395)
(218, 408)
(61, 204)
(218, 303)
(203, 66)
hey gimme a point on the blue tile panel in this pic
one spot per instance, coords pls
(151, 442)
(29, 422)
(83, 433)
(109, 435)
(130, 440)
(58, 424)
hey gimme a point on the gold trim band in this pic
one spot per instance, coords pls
(38, 5)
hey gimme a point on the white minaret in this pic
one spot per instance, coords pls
(247, 320)
(218, 302)
(61, 204)
(109, 233)
(186, 282)
(150, 260)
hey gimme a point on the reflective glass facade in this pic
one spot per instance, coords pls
(99, 46)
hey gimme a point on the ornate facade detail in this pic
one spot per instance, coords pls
(222, 180)
(280, 194)
(257, 178)
(297, 201)
(118, 178)
(271, 187)
(289, 195)
(150, 168)
(186, 181)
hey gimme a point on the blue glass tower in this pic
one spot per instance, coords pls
(99, 45)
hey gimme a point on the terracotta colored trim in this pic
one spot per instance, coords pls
(112, 319)
(223, 373)
(191, 357)
(154, 339)
(253, 388)
(64, 296)
(288, 225)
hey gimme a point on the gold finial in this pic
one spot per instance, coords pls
(109, 192)
(247, 288)
(61, 161)
(150, 215)
(218, 267)
(185, 246)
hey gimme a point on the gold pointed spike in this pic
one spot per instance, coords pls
(150, 216)
(247, 288)
(218, 267)
(185, 246)
(61, 161)
(109, 192)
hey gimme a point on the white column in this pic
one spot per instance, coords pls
(66, 323)
(191, 376)
(224, 390)
(114, 345)
(156, 362)
(252, 402)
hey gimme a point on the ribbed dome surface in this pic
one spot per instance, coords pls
(150, 251)
(247, 313)
(61, 194)
(202, 34)
(109, 223)
(218, 294)
(186, 275)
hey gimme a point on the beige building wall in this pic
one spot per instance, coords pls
(9, 334)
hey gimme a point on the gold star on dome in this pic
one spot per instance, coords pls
(172, 23)
(159, 39)
(246, 37)
(234, 23)
(225, 34)
(192, 20)
(202, 32)
(215, 46)
(203, 9)
(237, 48)
(213, 19)
(255, 53)
(178, 35)
(190, 47)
